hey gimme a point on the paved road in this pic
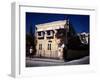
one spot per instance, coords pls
(37, 62)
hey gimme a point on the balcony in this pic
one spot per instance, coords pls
(50, 34)
(40, 35)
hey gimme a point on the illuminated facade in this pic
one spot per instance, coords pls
(84, 37)
(51, 38)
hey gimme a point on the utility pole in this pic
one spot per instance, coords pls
(65, 49)
(66, 31)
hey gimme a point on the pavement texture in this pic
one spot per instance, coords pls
(38, 62)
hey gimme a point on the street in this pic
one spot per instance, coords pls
(38, 62)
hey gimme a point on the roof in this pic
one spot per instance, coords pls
(51, 25)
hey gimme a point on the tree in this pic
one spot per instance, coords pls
(30, 41)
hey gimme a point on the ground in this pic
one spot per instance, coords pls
(37, 62)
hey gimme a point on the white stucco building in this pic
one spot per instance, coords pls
(48, 44)
(84, 37)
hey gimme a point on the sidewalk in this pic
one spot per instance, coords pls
(77, 61)
(37, 62)
(45, 60)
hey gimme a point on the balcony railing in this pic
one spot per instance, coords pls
(49, 34)
(40, 34)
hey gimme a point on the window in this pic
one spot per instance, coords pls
(49, 46)
(40, 46)
(48, 32)
(39, 33)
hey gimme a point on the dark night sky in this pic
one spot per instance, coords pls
(79, 22)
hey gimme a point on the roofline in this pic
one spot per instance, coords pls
(50, 23)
